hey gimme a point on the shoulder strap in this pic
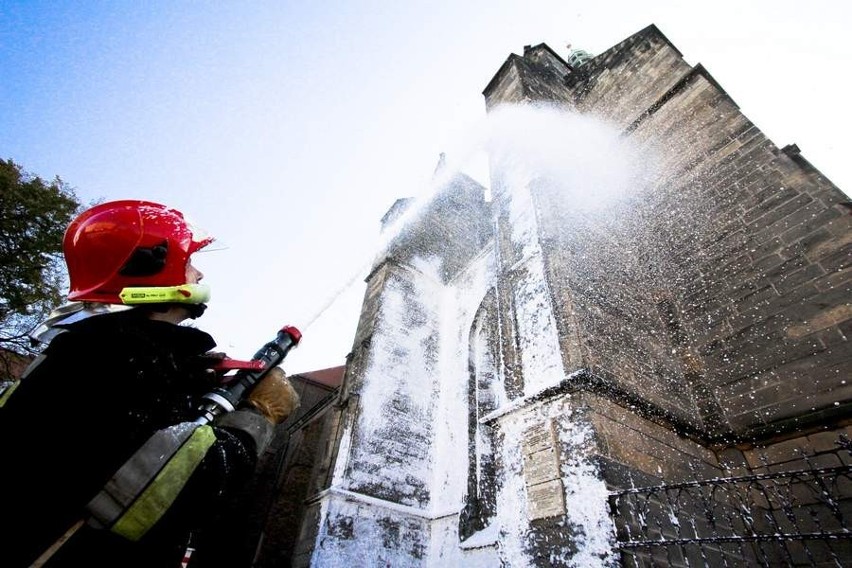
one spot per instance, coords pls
(144, 488)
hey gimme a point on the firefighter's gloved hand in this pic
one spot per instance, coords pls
(274, 396)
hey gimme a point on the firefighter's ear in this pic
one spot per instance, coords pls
(146, 261)
(274, 396)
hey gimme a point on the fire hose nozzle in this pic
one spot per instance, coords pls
(226, 398)
(293, 332)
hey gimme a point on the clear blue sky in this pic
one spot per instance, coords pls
(288, 128)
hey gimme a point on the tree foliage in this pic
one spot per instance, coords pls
(33, 218)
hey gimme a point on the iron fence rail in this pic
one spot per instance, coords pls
(798, 517)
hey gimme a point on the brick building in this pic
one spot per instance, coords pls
(663, 380)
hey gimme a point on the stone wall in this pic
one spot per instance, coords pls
(449, 227)
(755, 255)
(517, 362)
(722, 296)
(382, 475)
(706, 312)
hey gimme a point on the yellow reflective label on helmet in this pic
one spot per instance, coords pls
(184, 294)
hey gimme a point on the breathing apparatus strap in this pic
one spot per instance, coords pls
(144, 488)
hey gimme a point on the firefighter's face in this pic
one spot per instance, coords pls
(193, 275)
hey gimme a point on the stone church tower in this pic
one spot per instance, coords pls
(523, 363)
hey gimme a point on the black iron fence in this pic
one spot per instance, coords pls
(798, 517)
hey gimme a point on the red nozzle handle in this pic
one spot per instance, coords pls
(228, 364)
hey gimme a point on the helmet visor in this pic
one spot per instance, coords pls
(202, 239)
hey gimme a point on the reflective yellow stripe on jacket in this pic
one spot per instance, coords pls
(8, 392)
(145, 487)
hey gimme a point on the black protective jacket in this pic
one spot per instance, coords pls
(104, 387)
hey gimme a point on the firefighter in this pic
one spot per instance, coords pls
(122, 372)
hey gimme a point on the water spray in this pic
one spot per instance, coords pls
(590, 161)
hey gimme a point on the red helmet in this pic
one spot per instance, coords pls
(128, 245)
